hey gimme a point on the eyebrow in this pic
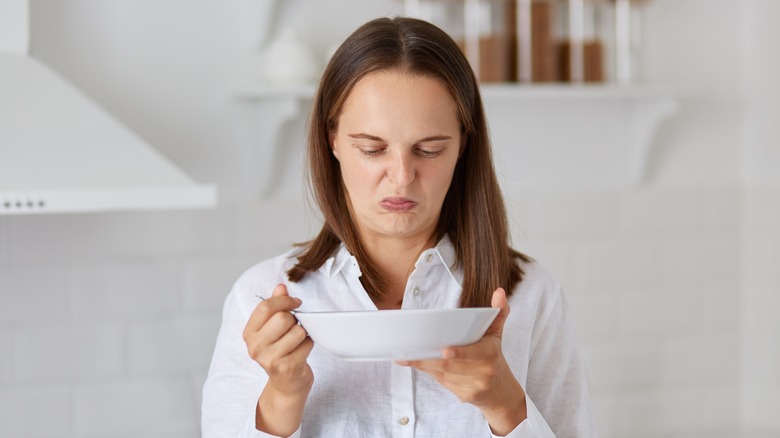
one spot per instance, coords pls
(422, 140)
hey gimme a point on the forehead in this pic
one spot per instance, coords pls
(392, 100)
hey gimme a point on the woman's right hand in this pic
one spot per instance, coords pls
(281, 346)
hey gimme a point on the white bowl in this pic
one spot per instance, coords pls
(395, 334)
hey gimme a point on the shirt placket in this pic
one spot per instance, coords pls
(402, 400)
(402, 378)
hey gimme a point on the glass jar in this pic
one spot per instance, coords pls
(480, 27)
(542, 40)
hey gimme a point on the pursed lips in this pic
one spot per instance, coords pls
(397, 204)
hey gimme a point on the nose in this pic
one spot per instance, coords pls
(402, 169)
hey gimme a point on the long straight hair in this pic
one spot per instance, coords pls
(473, 213)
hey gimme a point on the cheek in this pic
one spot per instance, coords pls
(360, 177)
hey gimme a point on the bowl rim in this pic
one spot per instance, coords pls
(395, 312)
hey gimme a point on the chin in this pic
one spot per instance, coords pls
(404, 230)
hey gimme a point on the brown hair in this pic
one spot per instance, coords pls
(473, 213)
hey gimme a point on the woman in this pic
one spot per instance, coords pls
(401, 168)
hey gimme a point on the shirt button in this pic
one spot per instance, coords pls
(403, 421)
(415, 292)
(429, 258)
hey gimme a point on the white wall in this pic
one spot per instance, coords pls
(761, 244)
(107, 320)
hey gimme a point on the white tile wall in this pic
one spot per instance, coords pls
(657, 312)
(208, 279)
(5, 247)
(42, 411)
(616, 366)
(34, 293)
(761, 329)
(713, 260)
(719, 407)
(701, 360)
(619, 264)
(638, 414)
(134, 407)
(172, 347)
(125, 289)
(5, 357)
(64, 238)
(596, 316)
(648, 211)
(117, 315)
(653, 277)
(45, 353)
(760, 409)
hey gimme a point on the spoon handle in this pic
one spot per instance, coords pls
(263, 299)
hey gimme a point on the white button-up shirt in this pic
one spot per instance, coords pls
(382, 399)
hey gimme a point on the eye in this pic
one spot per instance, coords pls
(429, 152)
(371, 151)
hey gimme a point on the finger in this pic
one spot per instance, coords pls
(426, 366)
(302, 351)
(277, 326)
(288, 342)
(280, 301)
(468, 368)
(260, 342)
(498, 300)
(483, 350)
(430, 365)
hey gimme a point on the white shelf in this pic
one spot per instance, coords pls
(544, 136)
(61, 153)
(260, 92)
(579, 92)
(574, 137)
(492, 91)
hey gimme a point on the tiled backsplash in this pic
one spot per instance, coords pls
(761, 303)
(107, 321)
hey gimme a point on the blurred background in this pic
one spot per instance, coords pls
(649, 184)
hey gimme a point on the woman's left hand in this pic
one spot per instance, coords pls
(479, 374)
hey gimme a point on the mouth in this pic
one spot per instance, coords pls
(397, 204)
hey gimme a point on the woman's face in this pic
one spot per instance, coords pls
(397, 140)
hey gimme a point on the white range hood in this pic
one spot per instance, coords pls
(60, 152)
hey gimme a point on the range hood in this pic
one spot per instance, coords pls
(60, 152)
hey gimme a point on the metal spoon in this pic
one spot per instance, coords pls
(263, 299)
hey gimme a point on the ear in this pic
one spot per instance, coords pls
(332, 144)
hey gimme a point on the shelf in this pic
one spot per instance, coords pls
(553, 136)
(585, 92)
(579, 137)
(259, 92)
(580, 92)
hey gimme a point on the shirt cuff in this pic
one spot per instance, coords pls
(534, 425)
(250, 431)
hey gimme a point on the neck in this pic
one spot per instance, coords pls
(395, 258)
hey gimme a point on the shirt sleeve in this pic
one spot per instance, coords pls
(556, 386)
(534, 426)
(234, 381)
(557, 382)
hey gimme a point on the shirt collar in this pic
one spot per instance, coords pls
(345, 261)
(337, 263)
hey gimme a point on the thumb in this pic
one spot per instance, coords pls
(280, 291)
(498, 300)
